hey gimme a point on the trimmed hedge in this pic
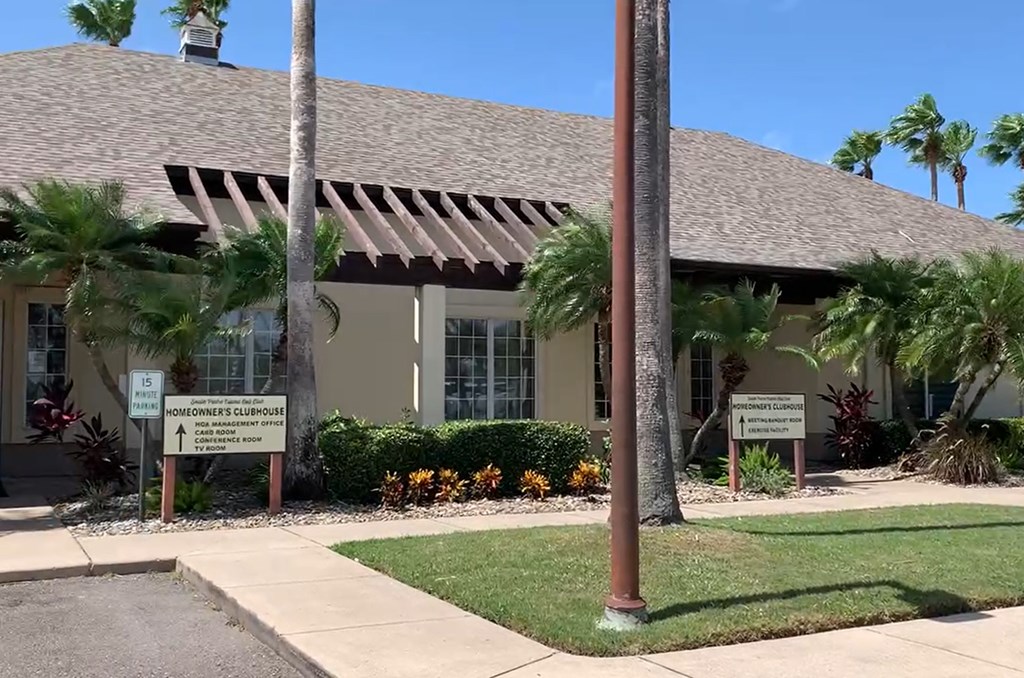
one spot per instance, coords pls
(357, 454)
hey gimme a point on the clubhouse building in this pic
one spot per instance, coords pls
(443, 200)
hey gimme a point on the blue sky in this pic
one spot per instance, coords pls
(797, 75)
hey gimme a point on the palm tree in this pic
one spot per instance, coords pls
(304, 468)
(180, 11)
(108, 21)
(257, 262)
(1005, 141)
(971, 325)
(918, 131)
(857, 153)
(664, 201)
(1015, 216)
(567, 283)
(957, 141)
(737, 324)
(83, 235)
(875, 315)
(173, 316)
(656, 478)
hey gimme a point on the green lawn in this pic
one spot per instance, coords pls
(724, 581)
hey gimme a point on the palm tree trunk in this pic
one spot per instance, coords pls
(983, 389)
(732, 369)
(933, 167)
(899, 401)
(960, 194)
(659, 504)
(953, 419)
(604, 353)
(303, 477)
(100, 365)
(665, 201)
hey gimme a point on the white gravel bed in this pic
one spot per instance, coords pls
(236, 507)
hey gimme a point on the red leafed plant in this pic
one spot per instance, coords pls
(53, 414)
(853, 431)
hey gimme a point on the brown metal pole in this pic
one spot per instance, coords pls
(799, 463)
(624, 607)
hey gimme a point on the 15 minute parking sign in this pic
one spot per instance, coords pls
(145, 394)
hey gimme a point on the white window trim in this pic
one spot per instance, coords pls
(596, 424)
(689, 385)
(249, 342)
(491, 316)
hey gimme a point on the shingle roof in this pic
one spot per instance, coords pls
(91, 112)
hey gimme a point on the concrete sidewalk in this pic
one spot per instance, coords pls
(331, 615)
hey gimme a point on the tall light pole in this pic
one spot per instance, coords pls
(624, 608)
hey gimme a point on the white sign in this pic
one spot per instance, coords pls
(224, 424)
(145, 394)
(767, 416)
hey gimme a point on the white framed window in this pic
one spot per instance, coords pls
(239, 364)
(702, 381)
(489, 370)
(602, 392)
(46, 351)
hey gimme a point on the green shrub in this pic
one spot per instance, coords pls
(189, 497)
(258, 480)
(762, 471)
(1011, 452)
(893, 438)
(357, 454)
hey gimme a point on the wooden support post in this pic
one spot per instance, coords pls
(735, 482)
(167, 489)
(276, 480)
(553, 213)
(462, 222)
(798, 463)
(409, 221)
(541, 226)
(431, 214)
(205, 204)
(525, 235)
(488, 218)
(351, 223)
(378, 220)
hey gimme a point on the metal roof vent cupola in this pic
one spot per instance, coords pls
(200, 40)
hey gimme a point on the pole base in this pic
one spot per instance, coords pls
(623, 615)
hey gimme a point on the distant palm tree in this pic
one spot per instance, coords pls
(85, 236)
(918, 131)
(858, 152)
(303, 477)
(1005, 141)
(957, 141)
(1014, 216)
(180, 11)
(108, 21)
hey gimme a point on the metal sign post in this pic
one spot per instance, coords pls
(767, 416)
(145, 402)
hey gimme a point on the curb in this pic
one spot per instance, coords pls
(260, 630)
(41, 574)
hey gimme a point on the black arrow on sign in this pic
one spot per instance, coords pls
(181, 435)
(742, 424)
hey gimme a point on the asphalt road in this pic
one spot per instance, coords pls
(142, 626)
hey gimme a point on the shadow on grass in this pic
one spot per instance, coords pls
(931, 603)
(893, 529)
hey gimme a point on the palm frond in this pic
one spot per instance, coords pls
(1005, 140)
(1014, 216)
(107, 21)
(957, 141)
(180, 11)
(568, 280)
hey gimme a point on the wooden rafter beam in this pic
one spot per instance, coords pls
(241, 204)
(540, 225)
(404, 253)
(409, 221)
(205, 204)
(269, 197)
(351, 223)
(553, 212)
(456, 214)
(442, 225)
(489, 219)
(526, 236)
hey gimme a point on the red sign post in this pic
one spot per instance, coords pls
(764, 417)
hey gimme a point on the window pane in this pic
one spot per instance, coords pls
(54, 314)
(37, 314)
(45, 354)
(602, 399)
(37, 337)
(55, 361)
(56, 337)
